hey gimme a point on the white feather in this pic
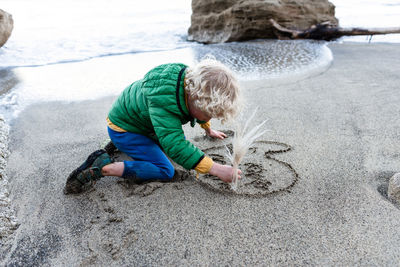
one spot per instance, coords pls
(242, 140)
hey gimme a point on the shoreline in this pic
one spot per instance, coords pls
(340, 124)
(10, 78)
(280, 61)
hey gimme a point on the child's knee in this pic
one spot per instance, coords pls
(168, 172)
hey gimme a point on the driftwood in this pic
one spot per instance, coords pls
(326, 31)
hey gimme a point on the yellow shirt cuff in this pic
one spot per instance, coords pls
(206, 125)
(204, 165)
(114, 127)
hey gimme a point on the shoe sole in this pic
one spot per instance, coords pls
(72, 178)
(110, 148)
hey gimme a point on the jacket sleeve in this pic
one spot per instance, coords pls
(205, 125)
(168, 128)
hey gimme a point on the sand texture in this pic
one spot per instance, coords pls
(8, 221)
(314, 192)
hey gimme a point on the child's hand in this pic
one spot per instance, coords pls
(224, 172)
(215, 134)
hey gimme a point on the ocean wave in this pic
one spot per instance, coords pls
(36, 62)
(107, 76)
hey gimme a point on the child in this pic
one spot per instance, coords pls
(145, 122)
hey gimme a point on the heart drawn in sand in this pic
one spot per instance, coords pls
(262, 174)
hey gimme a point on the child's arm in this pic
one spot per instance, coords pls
(212, 133)
(223, 172)
(216, 134)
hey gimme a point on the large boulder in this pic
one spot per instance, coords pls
(6, 26)
(216, 21)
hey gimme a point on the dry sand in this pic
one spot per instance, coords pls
(343, 128)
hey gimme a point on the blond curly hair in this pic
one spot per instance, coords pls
(214, 89)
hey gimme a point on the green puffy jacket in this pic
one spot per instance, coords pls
(155, 107)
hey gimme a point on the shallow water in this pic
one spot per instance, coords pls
(369, 14)
(48, 32)
(78, 50)
(107, 76)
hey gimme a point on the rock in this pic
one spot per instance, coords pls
(216, 21)
(6, 26)
(394, 188)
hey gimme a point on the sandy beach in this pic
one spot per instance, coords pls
(343, 131)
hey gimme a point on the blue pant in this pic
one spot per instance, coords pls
(150, 162)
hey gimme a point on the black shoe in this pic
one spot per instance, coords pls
(110, 148)
(88, 173)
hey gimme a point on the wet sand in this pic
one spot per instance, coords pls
(343, 131)
(8, 80)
